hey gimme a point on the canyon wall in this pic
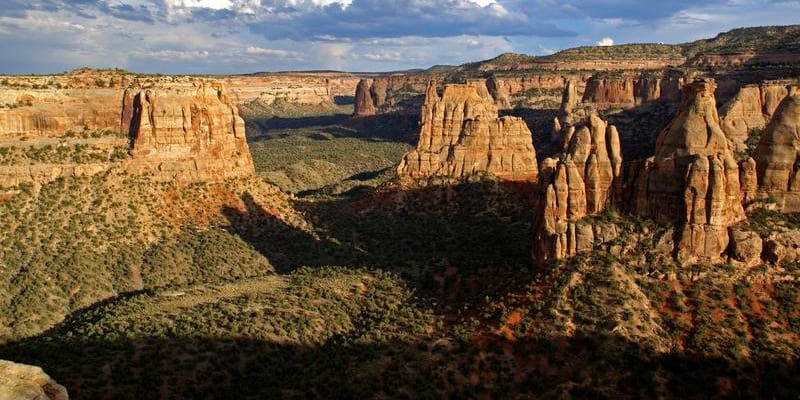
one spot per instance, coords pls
(461, 134)
(52, 112)
(393, 93)
(178, 128)
(629, 90)
(296, 88)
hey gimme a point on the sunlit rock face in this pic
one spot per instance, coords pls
(191, 132)
(26, 382)
(777, 155)
(461, 134)
(582, 180)
(693, 179)
(751, 108)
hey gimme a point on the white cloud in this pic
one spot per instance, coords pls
(213, 4)
(176, 55)
(606, 41)
(260, 51)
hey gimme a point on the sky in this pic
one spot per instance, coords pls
(243, 36)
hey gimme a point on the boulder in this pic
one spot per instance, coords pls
(782, 247)
(26, 382)
(746, 247)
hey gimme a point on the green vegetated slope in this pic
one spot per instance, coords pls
(766, 39)
(304, 159)
(73, 242)
(468, 321)
(637, 51)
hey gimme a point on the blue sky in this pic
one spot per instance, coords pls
(240, 36)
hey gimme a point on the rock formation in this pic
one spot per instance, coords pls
(693, 179)
(51, 112)
(751, 108)
(628, 90)
(26, 382)
(776, 156)
(461, 134)
(391, 94)
(191, 132)
(297, 88)
(364, 105)
(582, 181)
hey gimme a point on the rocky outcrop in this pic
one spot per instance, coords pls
(629, 90)
(461, 134)
(391, 94)
(582, 181)
(776, 156)
(693, 179)
(52, 112)
(751, 108)
(311, 89)
(190, 133)
(26, 382)
(364, 106)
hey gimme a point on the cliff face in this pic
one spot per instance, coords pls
(751, 108)
(405, 93)
(461, 134)
(190, 133)
(394, 93)
(693, 178)
(51, 112)
(630, 90)
(300, 89)
(777, 161)
(184, 129)
(583, 180)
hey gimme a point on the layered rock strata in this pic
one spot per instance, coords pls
(583, 180)
(191, 133)
(187, 130)
(629, 90)
(693, 179)
(461, 134)
(777, 155)
(388, 94)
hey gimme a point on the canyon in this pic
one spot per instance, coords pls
(555, 226)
